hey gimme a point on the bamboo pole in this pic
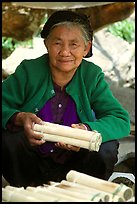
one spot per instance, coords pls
(106, 196)
(79, 195)
(59, 192)
(11, 196)
(91, 192)
(32, 194)
(70, 141)
(58, 195)
(94, 196)
(67, 131)
(90, 140)
(36, 196)
(115, 189)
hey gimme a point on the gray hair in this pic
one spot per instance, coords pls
(85, 35)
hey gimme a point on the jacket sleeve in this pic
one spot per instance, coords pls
(112, 120)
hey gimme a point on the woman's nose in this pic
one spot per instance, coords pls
(65, 50)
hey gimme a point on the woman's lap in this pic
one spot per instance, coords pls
(22, 165)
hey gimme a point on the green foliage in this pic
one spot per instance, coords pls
(124, 29)
(9, 45)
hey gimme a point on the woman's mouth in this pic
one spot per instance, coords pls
(65, 61)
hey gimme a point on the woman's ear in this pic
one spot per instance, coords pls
(45, 43)
(87, 48)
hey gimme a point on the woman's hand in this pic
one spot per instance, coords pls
(71, 147)
(27, 120)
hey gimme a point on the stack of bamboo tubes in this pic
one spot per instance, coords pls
(90, 140)
(77, 187)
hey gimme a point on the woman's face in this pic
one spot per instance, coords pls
(66, 48)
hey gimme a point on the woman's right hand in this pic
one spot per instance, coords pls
(27, 120)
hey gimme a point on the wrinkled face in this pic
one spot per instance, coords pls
(66, 48)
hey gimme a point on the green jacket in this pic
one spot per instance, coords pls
(30, 86)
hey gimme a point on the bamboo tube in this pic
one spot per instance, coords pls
(131, 199)
(91, 196)
(70, 141)
(88, 191)
(67, 131)
(11, 196)
(90, 140)
(81, 189)
(91, 192)
(80, 195)
(116, 189)
(58, 195)
(25, 192)
(106, 197)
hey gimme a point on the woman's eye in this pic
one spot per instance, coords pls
(56, 43)
(73, 45)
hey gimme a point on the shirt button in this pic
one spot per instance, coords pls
(51, 150)
(60, 105)
(52, 91)
(36, 110)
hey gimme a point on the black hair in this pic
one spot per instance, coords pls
(70, 16)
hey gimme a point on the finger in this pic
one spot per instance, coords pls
(36, 119)
(79, 126)
(37, 136)
(34, 141)
(62, 145)
(76, 126)
(73, 148)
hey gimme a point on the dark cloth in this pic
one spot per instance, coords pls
(23, 165)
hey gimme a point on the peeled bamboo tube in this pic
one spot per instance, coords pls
(105, 196)
(94, 196)
(11, 196)
(36, 196)
(58, 192)
(78, 137)
(67, 131)
(120, 190)
(131, 199)
(58, 195)
(79, 195)
(80, 188)
(70, 141)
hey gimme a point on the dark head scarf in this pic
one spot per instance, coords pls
(70, 16)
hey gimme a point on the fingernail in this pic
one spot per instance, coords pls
(42, 140)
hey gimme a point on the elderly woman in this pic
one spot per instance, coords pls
(59, 87)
